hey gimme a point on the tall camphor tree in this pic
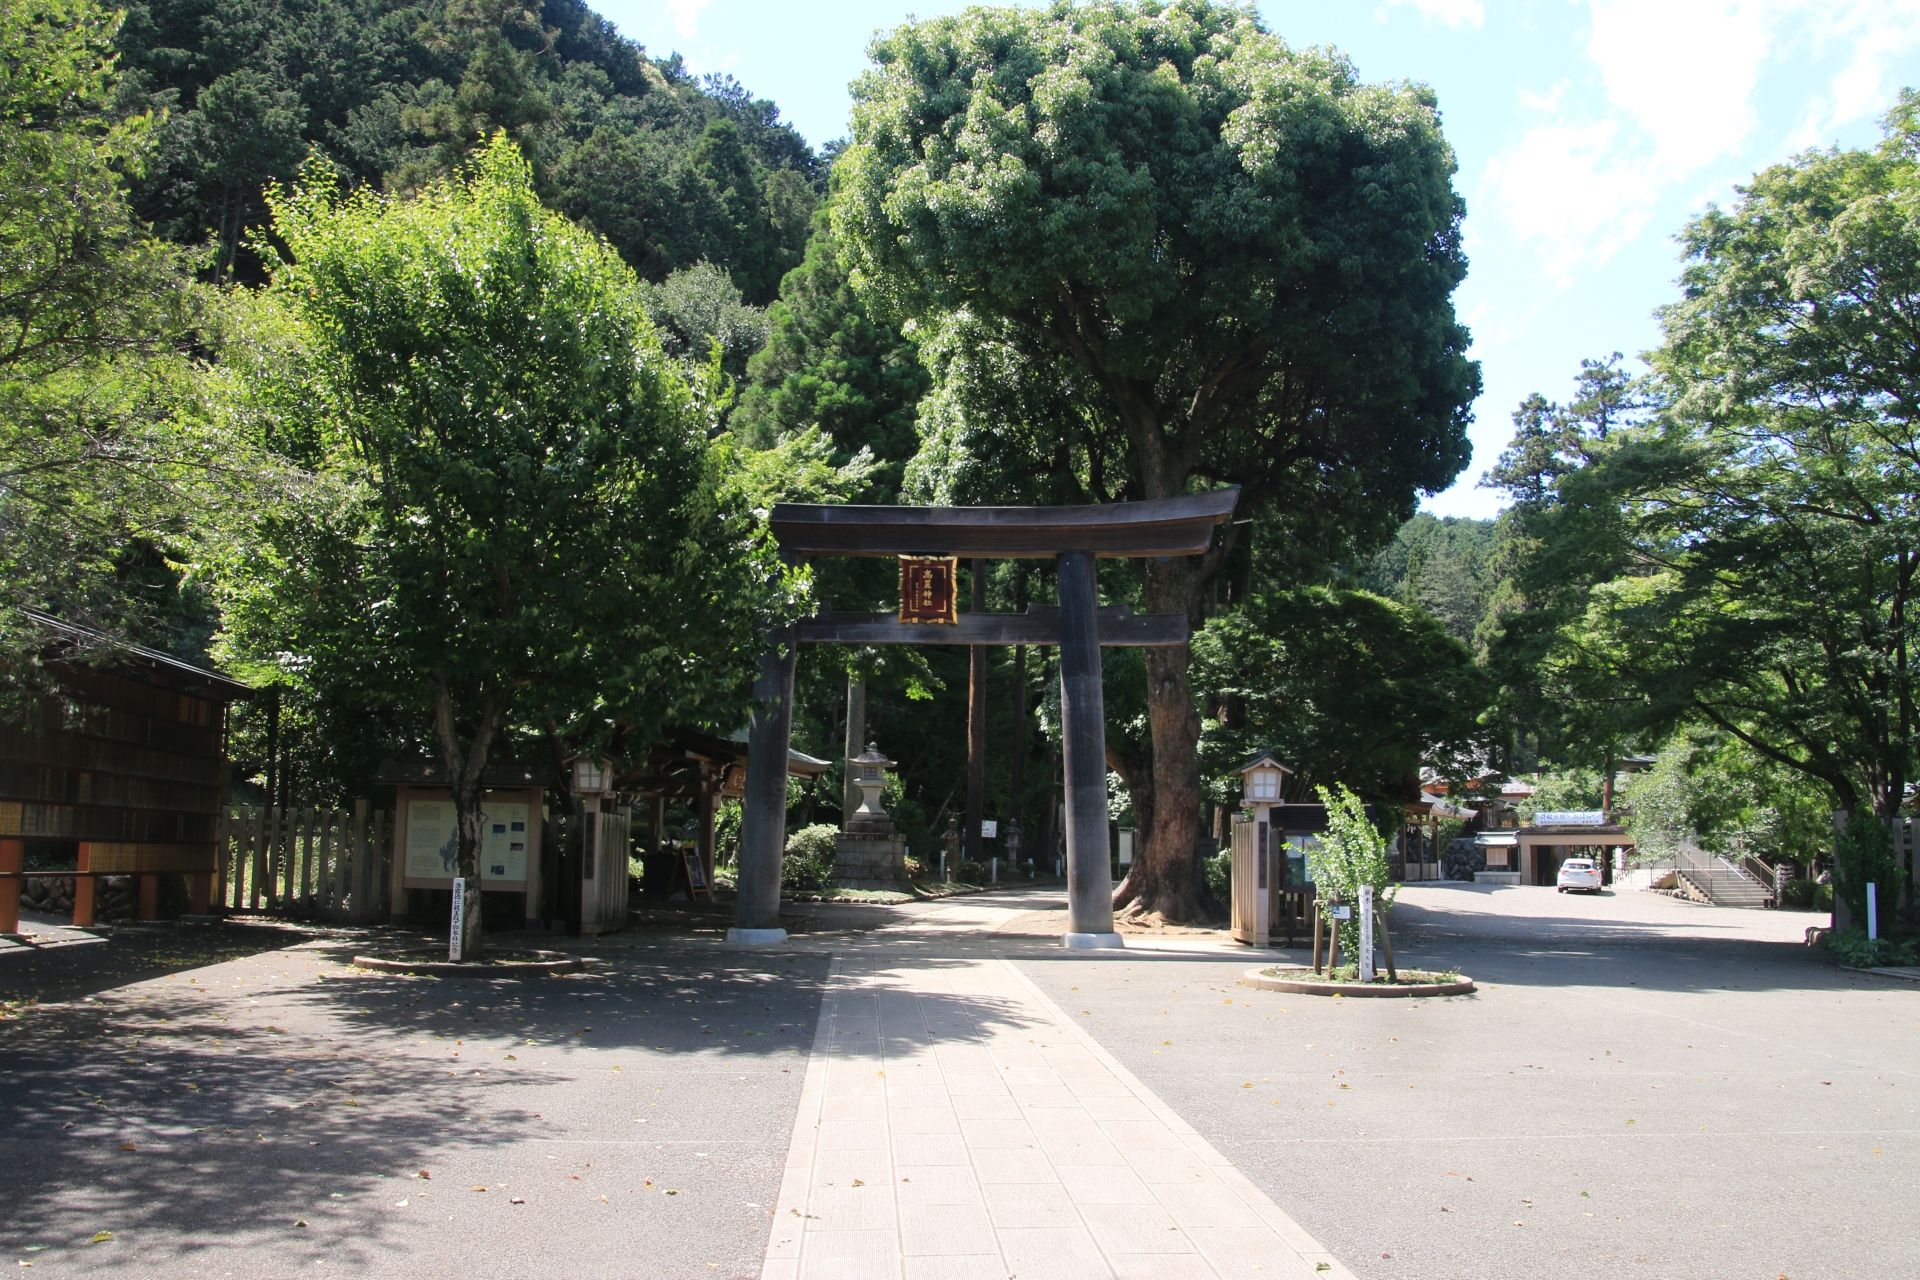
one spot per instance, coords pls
(515, 510)
(1238, 257)
(1748, 556)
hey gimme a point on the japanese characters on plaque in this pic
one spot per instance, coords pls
(927, 589)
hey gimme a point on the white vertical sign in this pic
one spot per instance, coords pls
(455, 935)
(1366, 933)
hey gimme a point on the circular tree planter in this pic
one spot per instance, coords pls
(492, 964)
(1300, 980)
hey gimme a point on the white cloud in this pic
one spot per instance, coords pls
(1678, 93)
(1880, 34)
(686, 16)
(1453, 13)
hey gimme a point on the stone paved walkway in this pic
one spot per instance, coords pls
(955, 1125)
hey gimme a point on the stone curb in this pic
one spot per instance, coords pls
(1307, 987)
(536, 964)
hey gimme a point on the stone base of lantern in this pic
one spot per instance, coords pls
(870, 860)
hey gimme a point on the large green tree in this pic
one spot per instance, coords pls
(516, 513)
(1748, 556)
(829, 363)
(102, 474)
(1356, 689)
(1227, 260)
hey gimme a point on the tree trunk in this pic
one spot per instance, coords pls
(1166, 876)
(466, 776)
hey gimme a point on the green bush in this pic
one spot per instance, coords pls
(1807, 894)
(970, 872)
(1853, 947)
(1220, 875)
(808, 861)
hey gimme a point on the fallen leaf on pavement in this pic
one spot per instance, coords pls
(101, 1237)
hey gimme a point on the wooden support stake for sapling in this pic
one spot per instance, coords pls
(1333, 944)
(1316, 937)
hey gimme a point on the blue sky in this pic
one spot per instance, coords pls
(1587, 132)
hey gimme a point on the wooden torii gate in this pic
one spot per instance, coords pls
(1076, 537)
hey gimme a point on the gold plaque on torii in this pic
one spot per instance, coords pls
(927, 590)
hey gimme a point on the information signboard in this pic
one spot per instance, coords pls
(432, 840)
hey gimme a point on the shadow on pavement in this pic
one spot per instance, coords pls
(56, 961)
(233, 1111)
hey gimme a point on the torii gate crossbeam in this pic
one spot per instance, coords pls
(1076, 537)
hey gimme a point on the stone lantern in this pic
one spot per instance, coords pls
(870, 775)
(869, 854)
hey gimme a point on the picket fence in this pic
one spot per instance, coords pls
(317, 864)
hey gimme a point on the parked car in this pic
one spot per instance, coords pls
(1579, 874)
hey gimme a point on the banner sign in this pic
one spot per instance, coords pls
(927, 592)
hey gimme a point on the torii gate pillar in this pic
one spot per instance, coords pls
(1084, 747)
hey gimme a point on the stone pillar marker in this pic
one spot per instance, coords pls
(870, 854)
(1084, 730)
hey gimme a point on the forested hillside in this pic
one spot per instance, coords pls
(1443, 565)
(671, 170)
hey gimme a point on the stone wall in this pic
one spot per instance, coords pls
(1464, 857)
(114, 898)
(870, 861)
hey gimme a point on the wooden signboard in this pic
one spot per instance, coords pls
(696, 873)
(927, 592)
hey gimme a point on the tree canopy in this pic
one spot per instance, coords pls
(104, 472)
(1354, 689)
(670, 169)
(1742, 552)
(1204, 256)
(516, 518)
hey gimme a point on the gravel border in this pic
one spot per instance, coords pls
(1266, 981)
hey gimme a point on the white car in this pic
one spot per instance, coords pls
(1579, 874)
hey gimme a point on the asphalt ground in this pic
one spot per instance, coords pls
(272, 1114)
(1640, 1087)
(262, 1085)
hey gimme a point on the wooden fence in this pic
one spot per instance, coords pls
(319, 864)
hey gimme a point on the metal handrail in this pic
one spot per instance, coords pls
(1713, 873)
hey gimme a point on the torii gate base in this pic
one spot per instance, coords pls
(1078, 536)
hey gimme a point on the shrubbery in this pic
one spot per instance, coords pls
(1807, 894)
(1853, 947)
(1220, 875)
(808, 861)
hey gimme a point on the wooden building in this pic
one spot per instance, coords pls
(120, 769)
